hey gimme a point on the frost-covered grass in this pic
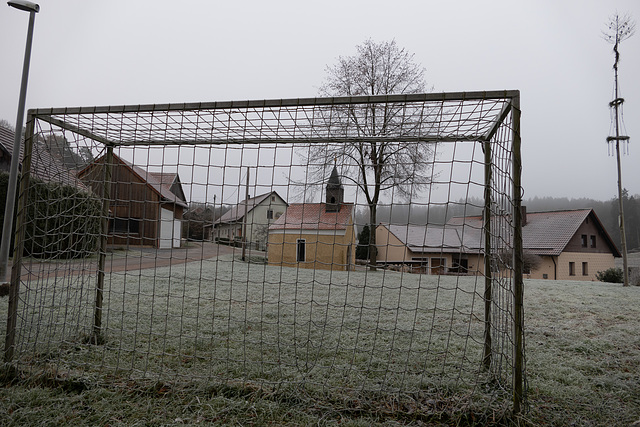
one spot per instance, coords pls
(238, 343)
(228, 320)
(583, 353)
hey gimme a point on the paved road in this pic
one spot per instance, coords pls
(127, 260)
(143, 258)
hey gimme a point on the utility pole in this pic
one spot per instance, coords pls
(7, 226)
(244, 225)
(619, 29)
(213, 220)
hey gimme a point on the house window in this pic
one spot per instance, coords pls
(572, 269)
(593, 241)
(270, 214)
(118, 225)
(459, 264)
(124, 226)
(422, 262)
(585, 268)
(301, 250)
(584, 240)
(438, 265)
(134, 226)
(273, 198)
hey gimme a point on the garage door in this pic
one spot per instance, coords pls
(167, 230)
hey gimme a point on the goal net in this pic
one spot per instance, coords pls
(342, 249)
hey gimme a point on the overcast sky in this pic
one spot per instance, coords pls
(100, 52)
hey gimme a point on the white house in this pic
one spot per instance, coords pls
(261, 212)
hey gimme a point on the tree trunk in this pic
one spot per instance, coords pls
(373, 250)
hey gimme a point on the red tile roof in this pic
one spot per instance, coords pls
(314, 216)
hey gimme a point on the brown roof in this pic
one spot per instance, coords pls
(152, 181)
(166, 179)
(6, 143)
(548, 233)
(145, 176)
(314, 216)
(545, 233)
(43, 165)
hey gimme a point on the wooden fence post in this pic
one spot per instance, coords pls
(518, 267)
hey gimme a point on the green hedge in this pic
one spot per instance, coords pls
(611, 275)
(4, 183)
(61, 221)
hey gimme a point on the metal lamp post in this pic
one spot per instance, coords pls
(7, 227)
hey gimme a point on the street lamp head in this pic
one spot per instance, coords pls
(24, 5)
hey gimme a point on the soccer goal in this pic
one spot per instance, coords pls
(346, 249)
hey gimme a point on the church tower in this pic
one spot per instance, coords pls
(335, 192)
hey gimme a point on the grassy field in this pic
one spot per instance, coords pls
(340, 344)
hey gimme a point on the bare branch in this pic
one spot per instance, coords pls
(619, 28)
(376, 167)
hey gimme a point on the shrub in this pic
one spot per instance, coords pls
(611, 275)
(362, 249)
(4, 183)
(62, 221)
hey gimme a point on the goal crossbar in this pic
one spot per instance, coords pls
(306, 120)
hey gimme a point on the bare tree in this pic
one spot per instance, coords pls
(375, 167)
(5, 124)
(619, 28)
